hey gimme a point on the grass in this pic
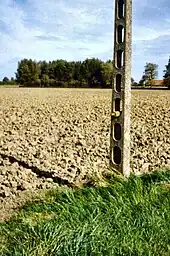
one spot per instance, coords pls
(128, 217)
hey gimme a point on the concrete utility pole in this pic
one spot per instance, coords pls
(121, 91)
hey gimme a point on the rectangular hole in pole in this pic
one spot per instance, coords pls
(120, 10)
(118, 105)
(118, 82)
(120, 34)
(117, 155)
(119, 59)
(117, 131)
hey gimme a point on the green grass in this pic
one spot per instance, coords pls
(129, 217)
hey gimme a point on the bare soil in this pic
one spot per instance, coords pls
(61, 136)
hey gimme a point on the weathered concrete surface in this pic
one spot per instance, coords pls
(122, 20)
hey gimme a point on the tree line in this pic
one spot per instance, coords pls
(7, 81)
(61, 73)
(92, 73)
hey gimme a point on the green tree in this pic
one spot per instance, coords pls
(167, 74)
(91, 72)
(44, 68)
(77, 74)
(45, 81)
(5, 80)
(28, 72)
(107, 74)
(150, 73)
(60, 70)
(51, 66)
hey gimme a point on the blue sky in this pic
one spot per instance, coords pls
(79, 29)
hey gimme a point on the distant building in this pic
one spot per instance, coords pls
(157, 83)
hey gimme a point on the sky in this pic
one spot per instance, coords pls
(80, 29)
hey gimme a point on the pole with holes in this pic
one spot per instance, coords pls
(121, 90)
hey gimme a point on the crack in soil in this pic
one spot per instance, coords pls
(37, 171)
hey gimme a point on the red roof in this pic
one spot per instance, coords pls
(157, 82)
